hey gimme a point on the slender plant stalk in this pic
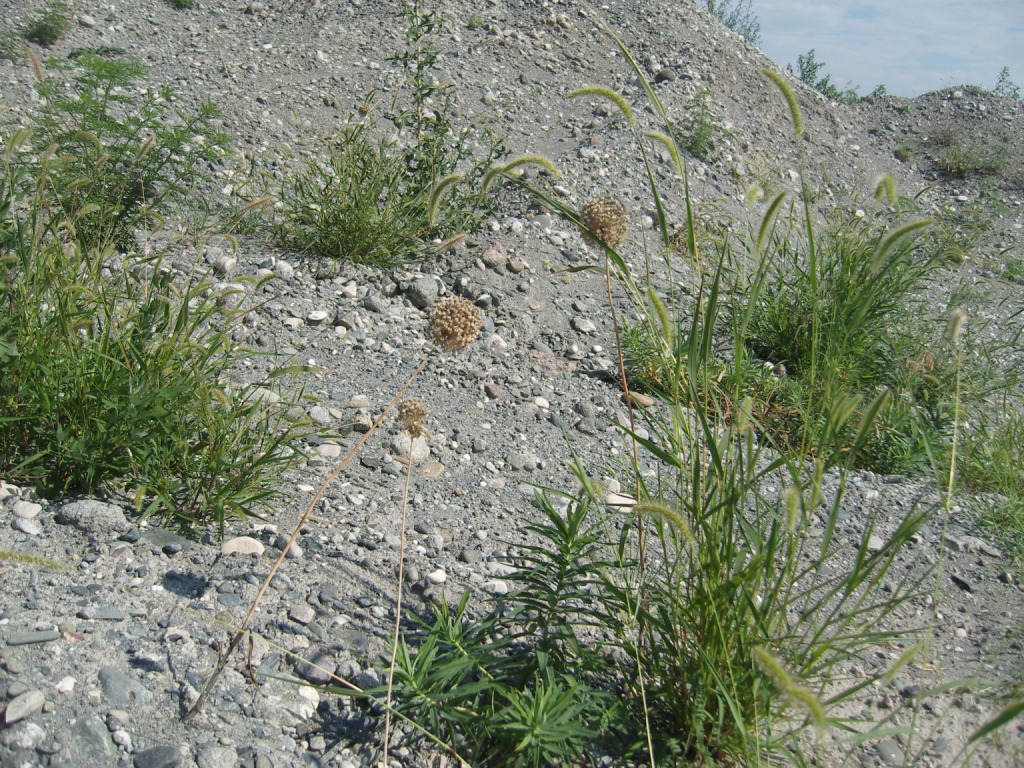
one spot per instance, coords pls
(243, 628)
(398, 606)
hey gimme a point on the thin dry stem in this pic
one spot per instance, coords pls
(240, 633)
(398, 610)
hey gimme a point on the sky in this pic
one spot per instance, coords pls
(911, 46)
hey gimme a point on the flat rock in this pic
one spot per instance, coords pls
(242, 545)
(25, 705)
(123, 690)
(92, 516)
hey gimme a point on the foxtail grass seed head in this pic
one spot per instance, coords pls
(455, 324)
(606, 219)
(956, 325)
(411, 414)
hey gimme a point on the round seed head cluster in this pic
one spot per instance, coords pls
(411, 414)
(455, 323)
(606, 218)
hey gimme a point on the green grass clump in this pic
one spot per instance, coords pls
(49, 24)
(116, 370)
(116, 160)
(181, 5)
(12, 46)
(380, 194)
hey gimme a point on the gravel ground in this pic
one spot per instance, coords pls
(104, 645)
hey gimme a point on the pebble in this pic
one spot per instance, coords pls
(22, 737)
(158, 757)
(26, 526)
(890, 753)
(317, 317)
(212, 755)
(92, 516)
(242, 545)
(25, 705)
(423, 292)
(294, 551)
(123, 690)
(26, 510)
(405, 446)
(437, 576)
(301, 614)
(496, 587)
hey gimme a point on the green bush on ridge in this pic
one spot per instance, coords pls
(117, 370)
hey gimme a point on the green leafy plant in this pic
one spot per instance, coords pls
(700, 127)
(181, 5)
(1006, 86)
(117, 371)
(12, 46)
(376, 199)
(49, 24)
(738, 16)
(808, 69)
(117, 161)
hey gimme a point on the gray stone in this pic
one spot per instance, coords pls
(521, 461)
(104, 613)
(122, 690)
(213, 755)
(316, 667)
(92, 516)
(158, 757)
(89, 741)
(890, 753)
(26, 526)
(28, 638)
(27, 509)
(423, 292)
(23, 736)
(415, 449)
(25, 705)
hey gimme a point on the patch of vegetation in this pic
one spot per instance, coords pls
(116, 161)
(49, 24)
(475, 21)
(808, 69)
(116, 370)
(181, 5)
(991, 461)
(12, 46)
(738, 16)
(1006, 86)
(698, 130)
(696, 617)
(376, 200)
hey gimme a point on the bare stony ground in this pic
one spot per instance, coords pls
(104, 644)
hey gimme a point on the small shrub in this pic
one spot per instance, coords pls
(49, 24)
(117, 161)
(738, 16)
(698, 131)
(475, 21)
(808, 69)
(12, 46)
(116, 370)
(1006, 86)
(181, 5)
(376, 200)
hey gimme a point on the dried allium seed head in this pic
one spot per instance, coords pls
(455, 323)
(606, 219)
(411, 415)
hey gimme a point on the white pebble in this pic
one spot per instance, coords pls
(66, 684)
(437, 577)
(541, 402)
